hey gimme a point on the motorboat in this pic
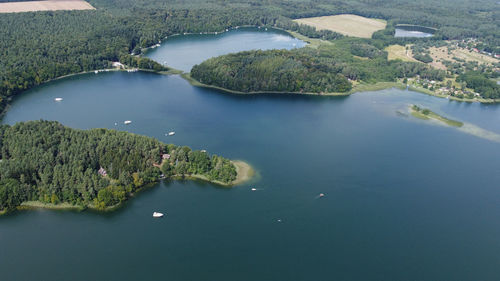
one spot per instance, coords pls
(58, 99)
(127, 122)
(157, 215)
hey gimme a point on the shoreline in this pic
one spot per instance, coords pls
(154, 46)
(311, 42)
(358, 88)
(29, 205)
(244, 172)
(196, 83)
(171, 71)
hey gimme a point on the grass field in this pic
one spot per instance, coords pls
(350, 25)
(49, 5)
(398, 52)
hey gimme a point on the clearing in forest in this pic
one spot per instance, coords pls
(350, 25)
(395, 52)
(49, 5)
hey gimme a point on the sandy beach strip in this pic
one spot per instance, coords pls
(244, 172)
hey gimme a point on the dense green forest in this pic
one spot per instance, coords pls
(47, 162)
(277, 70)
(325, 69)
(37, 47)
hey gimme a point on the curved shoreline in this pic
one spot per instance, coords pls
(244, 172)
(358, 88)
(197, 83)
(312, 42)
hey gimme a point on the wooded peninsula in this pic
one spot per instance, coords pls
(49, 163)
(329, 68)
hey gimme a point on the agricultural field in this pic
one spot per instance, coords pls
(49, 5)
(399, 52)
(350, 25)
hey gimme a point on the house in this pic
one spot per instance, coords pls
(102, 172)
(165, 156)
(117, 64)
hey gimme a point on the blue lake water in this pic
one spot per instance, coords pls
(405, 199)
(183, 52)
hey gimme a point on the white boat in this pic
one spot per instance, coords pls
(58, 99)
(157, 215)
(171, 133)
(254, 189)
(321, 195)
(127, 122)
(96, 72)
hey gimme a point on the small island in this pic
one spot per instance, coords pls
(426, 114)
(44, 164)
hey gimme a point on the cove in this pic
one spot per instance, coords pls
(404, 199)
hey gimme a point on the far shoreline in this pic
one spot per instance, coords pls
(311, 42)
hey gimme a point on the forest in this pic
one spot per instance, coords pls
(38, 47)
(48, 162)
(277, 70)
(327, 69)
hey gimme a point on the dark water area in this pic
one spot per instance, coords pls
(413, 31)
(405, 199)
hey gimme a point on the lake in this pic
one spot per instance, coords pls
(405, 199)
(183, 52)
(413, 31)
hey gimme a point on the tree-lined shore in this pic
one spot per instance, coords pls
(48, 163)
(36, 47)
